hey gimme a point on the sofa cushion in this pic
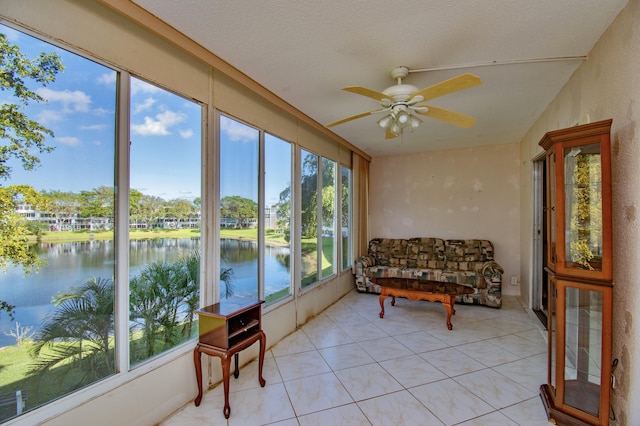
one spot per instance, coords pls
(468, 250)
(465, 266)
(386, 272)
(472, 279)
(389, 251)
(425, 253)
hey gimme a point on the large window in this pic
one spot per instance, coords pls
(164, 210)
(244, 233)
(239, 159)
(328, 218)
(345, 217)
(63, 209)
(318, 218)
(59, 323)
(309, 217)
(277, 218)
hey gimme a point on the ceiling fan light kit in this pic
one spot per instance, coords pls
(401, 103)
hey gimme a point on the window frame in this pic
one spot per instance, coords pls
(262, 133)
(349, 248)
(124, 372)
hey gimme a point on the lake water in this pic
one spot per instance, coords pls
(71, 264)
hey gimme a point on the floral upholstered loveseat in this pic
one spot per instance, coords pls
(466, 262)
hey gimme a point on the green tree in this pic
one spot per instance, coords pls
(14, 232)
(146, 209)
(21, 139)
(239, 208)
(309, 196)
(328, 193)
(179, 209)
(63, 206)
(79, 332)
(159, 295)
(99, 202)
(191, 287)
(283, 212)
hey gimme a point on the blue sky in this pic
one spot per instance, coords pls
(165, 136)
(165, 130)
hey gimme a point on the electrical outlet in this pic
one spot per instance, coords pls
(514, 280)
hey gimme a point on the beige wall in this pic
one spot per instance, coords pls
(606, 86)
(462, 193)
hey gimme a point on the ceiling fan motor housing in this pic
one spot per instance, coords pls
(401, 92)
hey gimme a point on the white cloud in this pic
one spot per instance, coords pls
(71, 101)
(147, 104)
(102, 112)
(97, 127)
(160, 125)
(139, 86)
(108, 79)
(237, 131)
(68, 140)
(48, 116)
(186, 134)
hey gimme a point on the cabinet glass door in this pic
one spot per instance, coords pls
(583, 349)
(583, 207)
(551, 326)
(551, 216)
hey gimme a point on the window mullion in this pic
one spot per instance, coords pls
(121, 313)
(261, 210)
(319, 183)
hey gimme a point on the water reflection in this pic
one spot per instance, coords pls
(72, 263)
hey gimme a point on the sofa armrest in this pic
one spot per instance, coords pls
(361, 263)
(492, 272)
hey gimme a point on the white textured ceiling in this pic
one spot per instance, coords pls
(305, 51)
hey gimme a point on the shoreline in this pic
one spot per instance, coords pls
(81, 236)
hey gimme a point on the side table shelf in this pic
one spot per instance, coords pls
(225, 329)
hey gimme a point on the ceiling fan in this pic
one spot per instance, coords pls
(402, 102)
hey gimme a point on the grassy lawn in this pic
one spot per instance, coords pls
(38, 389)
(271, 236)
(47, 385)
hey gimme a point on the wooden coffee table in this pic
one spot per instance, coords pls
(414, 289)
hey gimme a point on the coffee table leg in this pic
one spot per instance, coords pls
(448, 304)
(382, 297)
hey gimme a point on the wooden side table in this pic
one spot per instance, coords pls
(225, 329)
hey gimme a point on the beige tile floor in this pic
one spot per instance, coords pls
(349, 367)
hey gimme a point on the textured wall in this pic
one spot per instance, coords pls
(607, 85)
(461, 193)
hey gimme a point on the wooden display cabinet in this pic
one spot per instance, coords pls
(225, 329)
(580, 272)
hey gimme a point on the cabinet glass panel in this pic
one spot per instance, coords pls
(552, 209)
(583, 207)
(583, 349)
(551, 323)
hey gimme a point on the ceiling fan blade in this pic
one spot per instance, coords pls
(449, 116)
(454, 84)
(353, 117)
(370, 93)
